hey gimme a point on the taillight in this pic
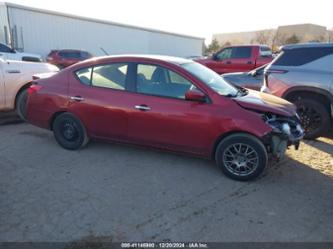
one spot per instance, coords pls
(270, 71)
(34, 88)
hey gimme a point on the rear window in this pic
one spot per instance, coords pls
(265, 52)
(52, 52)
(301, 56)
(85, 55)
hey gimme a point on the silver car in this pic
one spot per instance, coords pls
(303, 74)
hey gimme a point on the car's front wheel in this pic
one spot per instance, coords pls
(69, 132)
(241, 156)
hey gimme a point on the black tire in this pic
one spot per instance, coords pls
(249, 152)
(69, 132)
(21, 104)
(315, 118)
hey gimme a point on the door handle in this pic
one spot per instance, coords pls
(13, 71)
(228, 62)
(77, 98)
(142, 107)
(249, 62)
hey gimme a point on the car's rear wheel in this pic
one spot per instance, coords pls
(69, 132)
(21, 104)
(315, 118)
(241, 156)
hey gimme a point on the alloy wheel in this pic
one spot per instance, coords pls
(240, 159)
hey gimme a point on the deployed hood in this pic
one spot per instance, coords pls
(264, 102)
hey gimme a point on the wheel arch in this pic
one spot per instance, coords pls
(22, 88)
(321, 95)
(227, 134)
(54, 116)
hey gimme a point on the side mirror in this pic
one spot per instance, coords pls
(195, 95)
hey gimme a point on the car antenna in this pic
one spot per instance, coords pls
(106, 53)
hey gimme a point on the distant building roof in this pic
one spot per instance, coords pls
(51, 12)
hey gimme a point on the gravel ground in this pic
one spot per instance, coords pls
(123, 193)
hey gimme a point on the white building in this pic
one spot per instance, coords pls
(39, 31)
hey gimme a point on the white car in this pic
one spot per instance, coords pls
(8, 53)
(15, 78)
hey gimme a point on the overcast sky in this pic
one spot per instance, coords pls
(197, 17)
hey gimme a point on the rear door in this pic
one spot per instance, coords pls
(233, 59)
(98, 96)
(241, 59)
(162, 117)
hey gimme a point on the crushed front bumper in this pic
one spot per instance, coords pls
(285, 132)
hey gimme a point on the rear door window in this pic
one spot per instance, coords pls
(111, 76)
(241, 52)
(84, 75)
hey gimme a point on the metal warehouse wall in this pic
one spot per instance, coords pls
(3, 24)
(39, 32)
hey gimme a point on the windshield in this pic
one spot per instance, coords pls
(210, 78)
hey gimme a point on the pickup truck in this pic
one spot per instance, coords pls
(241, 58)
(15, 78)
(9, 53)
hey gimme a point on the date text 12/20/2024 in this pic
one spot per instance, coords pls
(164, 245)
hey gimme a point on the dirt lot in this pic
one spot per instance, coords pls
(121, 193)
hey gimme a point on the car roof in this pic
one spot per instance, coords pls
(170, 59)
(70, 50)
(307, 45)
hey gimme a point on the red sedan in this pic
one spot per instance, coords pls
(66, 57)
(167, 103)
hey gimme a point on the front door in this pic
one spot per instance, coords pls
(162, 117)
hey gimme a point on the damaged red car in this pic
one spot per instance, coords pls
(167, 103)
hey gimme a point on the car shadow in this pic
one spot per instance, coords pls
(322, 143)
(7, 118)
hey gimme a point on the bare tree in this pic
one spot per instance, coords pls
(213, 47)
(263, 37)
(226, 44)
(292, 39)
(279, 39)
